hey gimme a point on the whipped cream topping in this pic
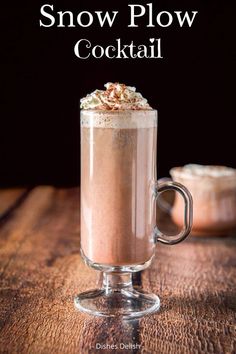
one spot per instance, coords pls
(115, 97)
(195, 170)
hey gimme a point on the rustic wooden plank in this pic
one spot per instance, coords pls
(196, 281)
(10, 198)
(41, 271)
(42, 277)
(34, 258)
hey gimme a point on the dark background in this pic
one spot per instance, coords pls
(43, 81)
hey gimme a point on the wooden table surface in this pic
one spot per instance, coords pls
(41, 270)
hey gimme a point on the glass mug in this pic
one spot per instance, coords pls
(119, 191)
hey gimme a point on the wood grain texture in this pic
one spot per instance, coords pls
(41, 271)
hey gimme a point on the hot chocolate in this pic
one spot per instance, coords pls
(119, 191)
(214, 194)
(118, 153)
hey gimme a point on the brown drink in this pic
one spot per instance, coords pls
(118, 155)
(119, 191)
(214, 193)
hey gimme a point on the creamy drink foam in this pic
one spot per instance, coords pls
(118, 154)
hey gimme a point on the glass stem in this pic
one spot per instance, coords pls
(112, 281)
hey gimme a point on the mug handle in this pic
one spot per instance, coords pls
(161, 186)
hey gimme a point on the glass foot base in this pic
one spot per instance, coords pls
(127, 303)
